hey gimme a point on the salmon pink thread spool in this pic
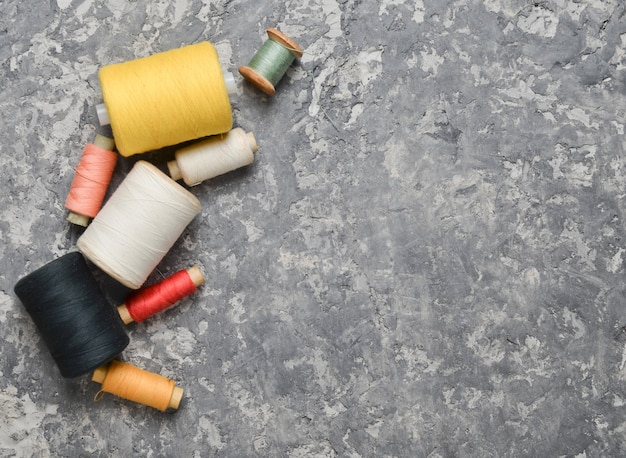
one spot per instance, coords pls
(91, 181)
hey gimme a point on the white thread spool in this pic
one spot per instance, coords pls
(138, 225)
(217, 155)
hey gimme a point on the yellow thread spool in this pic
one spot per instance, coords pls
(166, 99)
(129, 382)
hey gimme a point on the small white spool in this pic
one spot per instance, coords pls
(138, 225)
(217, 155)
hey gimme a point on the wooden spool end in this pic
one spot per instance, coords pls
(257, 79)
(196, 275)
(100, 374)
(122, 310)
(284, 40)
(177, 396)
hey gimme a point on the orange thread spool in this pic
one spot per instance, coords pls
(92, 178)
(129, 382)
(156, 298)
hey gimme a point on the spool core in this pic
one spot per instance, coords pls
(257, 78)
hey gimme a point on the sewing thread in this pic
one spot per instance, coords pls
(155, 298)
(80, 328)
(134, 384)
(212, 157)
(91, 180)
(138, 225)
(166, 98)
(271, 61)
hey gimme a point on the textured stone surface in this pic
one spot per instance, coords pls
(426, 258)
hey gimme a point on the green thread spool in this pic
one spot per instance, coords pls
(271, 61)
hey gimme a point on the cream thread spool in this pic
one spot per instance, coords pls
(271, 61)
(138, 225)
(214, 156)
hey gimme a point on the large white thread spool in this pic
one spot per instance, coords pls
(212, 157)
(138, 225)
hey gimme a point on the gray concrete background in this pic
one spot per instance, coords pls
(426, 258)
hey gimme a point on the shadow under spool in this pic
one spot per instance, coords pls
(271, 61)
(80, 328)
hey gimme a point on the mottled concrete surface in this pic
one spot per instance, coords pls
(426, 259)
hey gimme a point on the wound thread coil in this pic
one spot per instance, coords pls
(153, 299)
(166, 98)
(80, 328)
(138, 225)
(271, 61)
(138, 385)
(212, 157)
(91, 180)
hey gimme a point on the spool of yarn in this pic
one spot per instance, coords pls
(214, 156)
(129, 382)
(80, 328)
(138, 225)
(92, 178)
(271, 61)
(149, 301)
(166, 98)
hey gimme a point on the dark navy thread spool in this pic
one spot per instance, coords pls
(80, 328)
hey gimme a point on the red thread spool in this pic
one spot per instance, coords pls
(92, 178)
(156, 298)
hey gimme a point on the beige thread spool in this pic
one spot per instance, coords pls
(212, 157)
